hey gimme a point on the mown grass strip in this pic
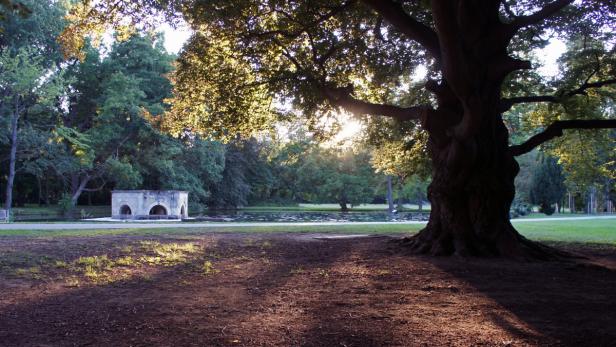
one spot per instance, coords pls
(594, 231)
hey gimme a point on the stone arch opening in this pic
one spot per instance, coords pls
(125, 210)
(183, 211)
(158, 210)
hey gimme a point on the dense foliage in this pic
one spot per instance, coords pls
(547, 185)
(130, 115)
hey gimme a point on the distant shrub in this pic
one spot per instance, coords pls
(520, 208)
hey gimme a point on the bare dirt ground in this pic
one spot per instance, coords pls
(293, 290)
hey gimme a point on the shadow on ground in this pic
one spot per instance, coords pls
(284, 290)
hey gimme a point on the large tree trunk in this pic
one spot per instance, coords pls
(470, 198)
(473, 169)
(8, 203)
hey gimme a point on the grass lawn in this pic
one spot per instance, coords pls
(585, 231)
(555, 215)
(32, 212)
(591, 231)
(332, 208)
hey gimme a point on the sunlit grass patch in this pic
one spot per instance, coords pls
(33, 272)
(126, 261)
(208, 268)
(96, 268)
(60, 264)
(126, 249)
(121, 263)
(167, 253)
(99, 262)
(104, 269)
(72, 282)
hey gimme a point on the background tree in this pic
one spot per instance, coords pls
(586, 157)
(343, 177)
(547, 185)
(403, 160)
(416, 189)
(28, 88)
(114, 97)
(31, 81)
(233, 189)
(28, 31)
(287, 160)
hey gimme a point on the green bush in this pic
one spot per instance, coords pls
(547, 209)
(519, 208)
(65, 203)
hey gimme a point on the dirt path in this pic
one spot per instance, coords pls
(171, 224)
(294, 290)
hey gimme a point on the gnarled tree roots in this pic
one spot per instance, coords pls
(510, 244)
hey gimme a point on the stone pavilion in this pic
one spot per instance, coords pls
(149, 204)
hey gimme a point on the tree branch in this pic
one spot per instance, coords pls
(395, 15)
(549, 10)
(506, 104)
(556, 129)
(341, 97)
(507, 31)
(95, 189)
(586, 85)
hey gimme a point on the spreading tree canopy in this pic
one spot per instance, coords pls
(321, 56)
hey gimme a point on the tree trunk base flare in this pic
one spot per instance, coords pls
(471, 217)
(471, 193)
(426, 242)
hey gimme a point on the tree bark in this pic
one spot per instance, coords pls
(470, 204)
(78, 186)
(79, 190)
(343, 206)
(400, 198)
(8, 203)
(420, 202)
(39, 187)
(390, 196)
(46, 191)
